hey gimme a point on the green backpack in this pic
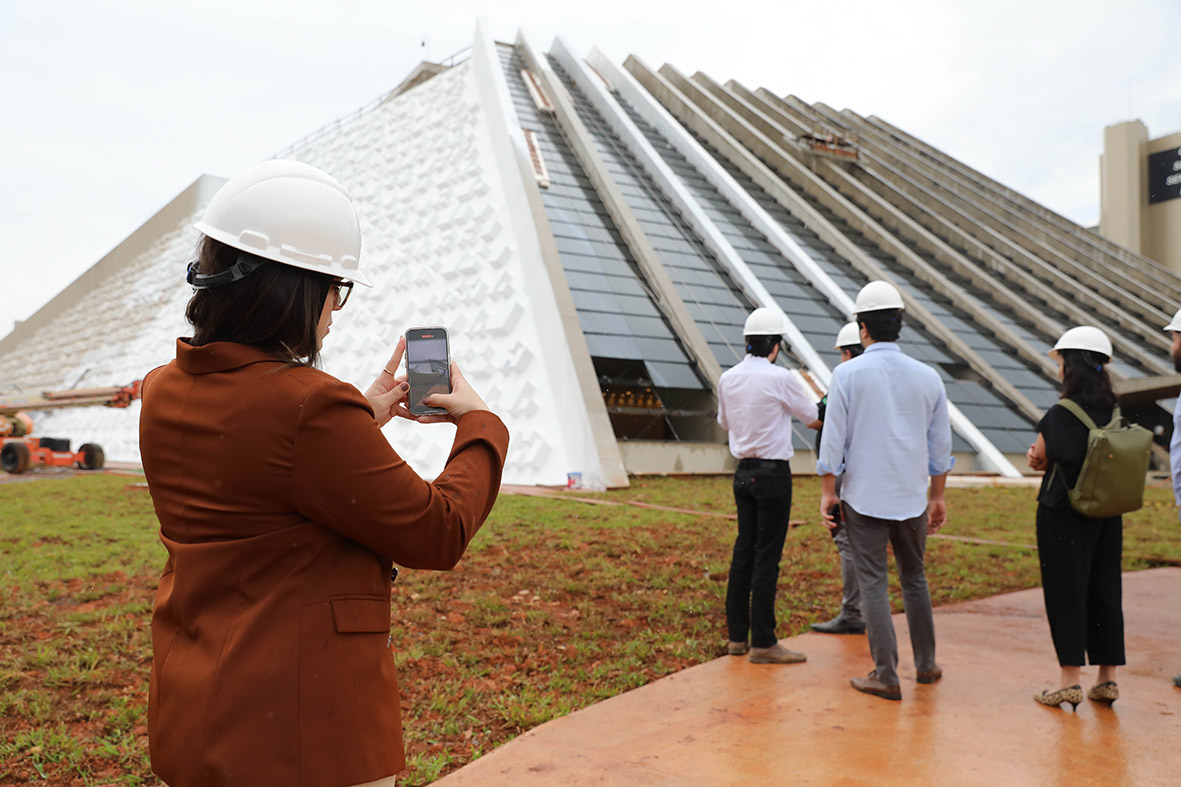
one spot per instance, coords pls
(1111, 481)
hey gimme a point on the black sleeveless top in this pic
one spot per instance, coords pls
(1066, 445)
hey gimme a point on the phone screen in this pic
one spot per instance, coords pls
(428, 367)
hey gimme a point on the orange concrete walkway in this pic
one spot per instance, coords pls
(731, 722)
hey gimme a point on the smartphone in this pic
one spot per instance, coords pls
(428, 367)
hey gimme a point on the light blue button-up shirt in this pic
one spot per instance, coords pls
(886, 429)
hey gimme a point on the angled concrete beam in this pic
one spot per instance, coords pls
(811, 182)
(577, 389)
(1079, 309)
(890, 216)
(676, 135)
(1153, 297)
(1100, 290)
(1148, 389)
(1104, 245)
(593, 87)
(677, 96)
(988, 244)
(592, 163)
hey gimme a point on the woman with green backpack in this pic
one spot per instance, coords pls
(1080, 552)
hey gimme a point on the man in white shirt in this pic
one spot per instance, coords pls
(756, 402)
(886, 428)
(1175, 443)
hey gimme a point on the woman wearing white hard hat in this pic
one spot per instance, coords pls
(1079, 556)
(283, 507)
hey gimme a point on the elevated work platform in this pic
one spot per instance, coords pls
(731, 722)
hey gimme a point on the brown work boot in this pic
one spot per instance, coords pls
(871, 685)
(776, 654)
(737, 648)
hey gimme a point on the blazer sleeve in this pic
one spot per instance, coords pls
(347, 477)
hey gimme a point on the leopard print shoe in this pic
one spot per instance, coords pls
(1071, 694)
(1105, 693)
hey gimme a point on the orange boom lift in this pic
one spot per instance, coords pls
(19, 450)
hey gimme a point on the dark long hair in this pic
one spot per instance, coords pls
(1085, 380)
(276, 308)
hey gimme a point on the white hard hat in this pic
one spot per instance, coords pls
(1084, 337)
(1175, 325)
(765, 321)
(291, 213)
(876, 296)
(849, 335)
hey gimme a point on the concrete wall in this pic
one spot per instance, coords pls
(1126, 217)
(1160, 230)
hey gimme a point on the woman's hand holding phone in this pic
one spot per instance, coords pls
(462, 400)
(387, 394)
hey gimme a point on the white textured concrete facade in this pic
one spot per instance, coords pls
(439, 247)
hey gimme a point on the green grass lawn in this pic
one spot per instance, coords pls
(558, 604)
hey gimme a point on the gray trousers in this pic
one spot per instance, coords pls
(868, 537)
(851, 598)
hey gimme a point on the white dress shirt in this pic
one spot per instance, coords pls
(756, 400)
(886, 428)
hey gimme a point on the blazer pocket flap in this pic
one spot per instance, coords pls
(357, 614)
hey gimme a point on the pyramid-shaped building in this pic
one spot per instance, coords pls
(594, 234)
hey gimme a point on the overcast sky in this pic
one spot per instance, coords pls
(110, 108)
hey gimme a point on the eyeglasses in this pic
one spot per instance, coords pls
(343, 290)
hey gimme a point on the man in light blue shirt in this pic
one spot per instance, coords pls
(1175, 443)
(887, 430)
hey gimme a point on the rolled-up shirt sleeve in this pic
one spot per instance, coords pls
(832, 439)
(722, 408)
(939, 458)
(797, 402)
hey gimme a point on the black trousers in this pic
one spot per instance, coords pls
(1080, 562)
(762, 494)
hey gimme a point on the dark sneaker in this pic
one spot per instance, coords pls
(776, 654)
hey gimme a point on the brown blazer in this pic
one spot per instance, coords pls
(282, 506)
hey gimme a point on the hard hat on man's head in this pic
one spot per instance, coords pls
(291, 213)
(1175, 325)
(765, 321)
(1084, 337)
(877, 296)
(849, 335)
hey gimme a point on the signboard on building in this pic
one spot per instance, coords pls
(1164, 175)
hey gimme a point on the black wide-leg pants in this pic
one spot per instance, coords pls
(1081, 581)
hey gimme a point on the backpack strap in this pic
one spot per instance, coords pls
(1081, 414)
